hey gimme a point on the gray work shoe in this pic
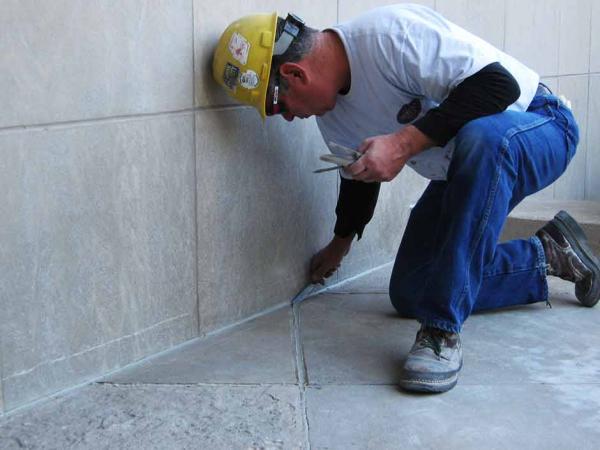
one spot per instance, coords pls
(433, 362)
(570, 257)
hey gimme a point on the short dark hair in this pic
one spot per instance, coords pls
(299, 48)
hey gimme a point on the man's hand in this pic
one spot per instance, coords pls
(327, 260)
(384, 156)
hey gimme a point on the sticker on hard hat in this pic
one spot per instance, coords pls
(230, 76)
(239, 47)
(249, 79)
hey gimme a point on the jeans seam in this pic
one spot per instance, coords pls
(480, 229)
(542, 266)
(512, 132)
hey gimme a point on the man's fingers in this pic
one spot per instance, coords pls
(364, 145)
(323, 272)
(356, 168)
(314, 263)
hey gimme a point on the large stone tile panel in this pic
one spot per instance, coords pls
(262, 213)
(359, 339)
(595, 32)
(161, 417)
(77, 59)
(571, 185)
(349, 9)
(98, 249)
(531, 34)
(592, 180)
(484, 18)
(354, 339)
(259, 351)
(574, 32)
(474, 417)
(211, 19)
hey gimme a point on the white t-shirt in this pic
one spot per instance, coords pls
(409, 53)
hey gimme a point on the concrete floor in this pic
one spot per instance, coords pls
(323, 377)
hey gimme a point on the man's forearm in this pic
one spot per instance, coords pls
(489, 91)
(355, 207)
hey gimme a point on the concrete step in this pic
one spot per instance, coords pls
(532, 214)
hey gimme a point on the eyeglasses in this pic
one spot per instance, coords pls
(276, 106)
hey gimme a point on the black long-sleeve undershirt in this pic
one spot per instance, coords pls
(489, 91)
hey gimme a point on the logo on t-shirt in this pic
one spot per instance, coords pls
(409, 112)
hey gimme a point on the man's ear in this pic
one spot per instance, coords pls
(293, 73)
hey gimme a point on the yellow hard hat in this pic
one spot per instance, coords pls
(242, 59)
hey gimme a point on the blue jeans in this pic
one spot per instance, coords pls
(449, 263)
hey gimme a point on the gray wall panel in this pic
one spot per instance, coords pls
(262, 213)
(570, 186)
(98, 249)
(574, 32)
(595, 38)
(532, 33)
(592, 180)
(484, 18)
(78, 59)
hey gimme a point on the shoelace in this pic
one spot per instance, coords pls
(433, 340)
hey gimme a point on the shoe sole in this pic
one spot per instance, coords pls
(416, 382)
(576, 237)
(431, 386)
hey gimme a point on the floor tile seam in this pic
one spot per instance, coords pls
(301, 370)
(464, 384)
(190, 384)
(96, 347)
(299, 357)
(357, 292)
(305, 419)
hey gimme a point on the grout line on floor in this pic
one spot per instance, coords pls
(305, 417)
(198, 384)
(358, 293)
(301, 370)
(318, 386)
